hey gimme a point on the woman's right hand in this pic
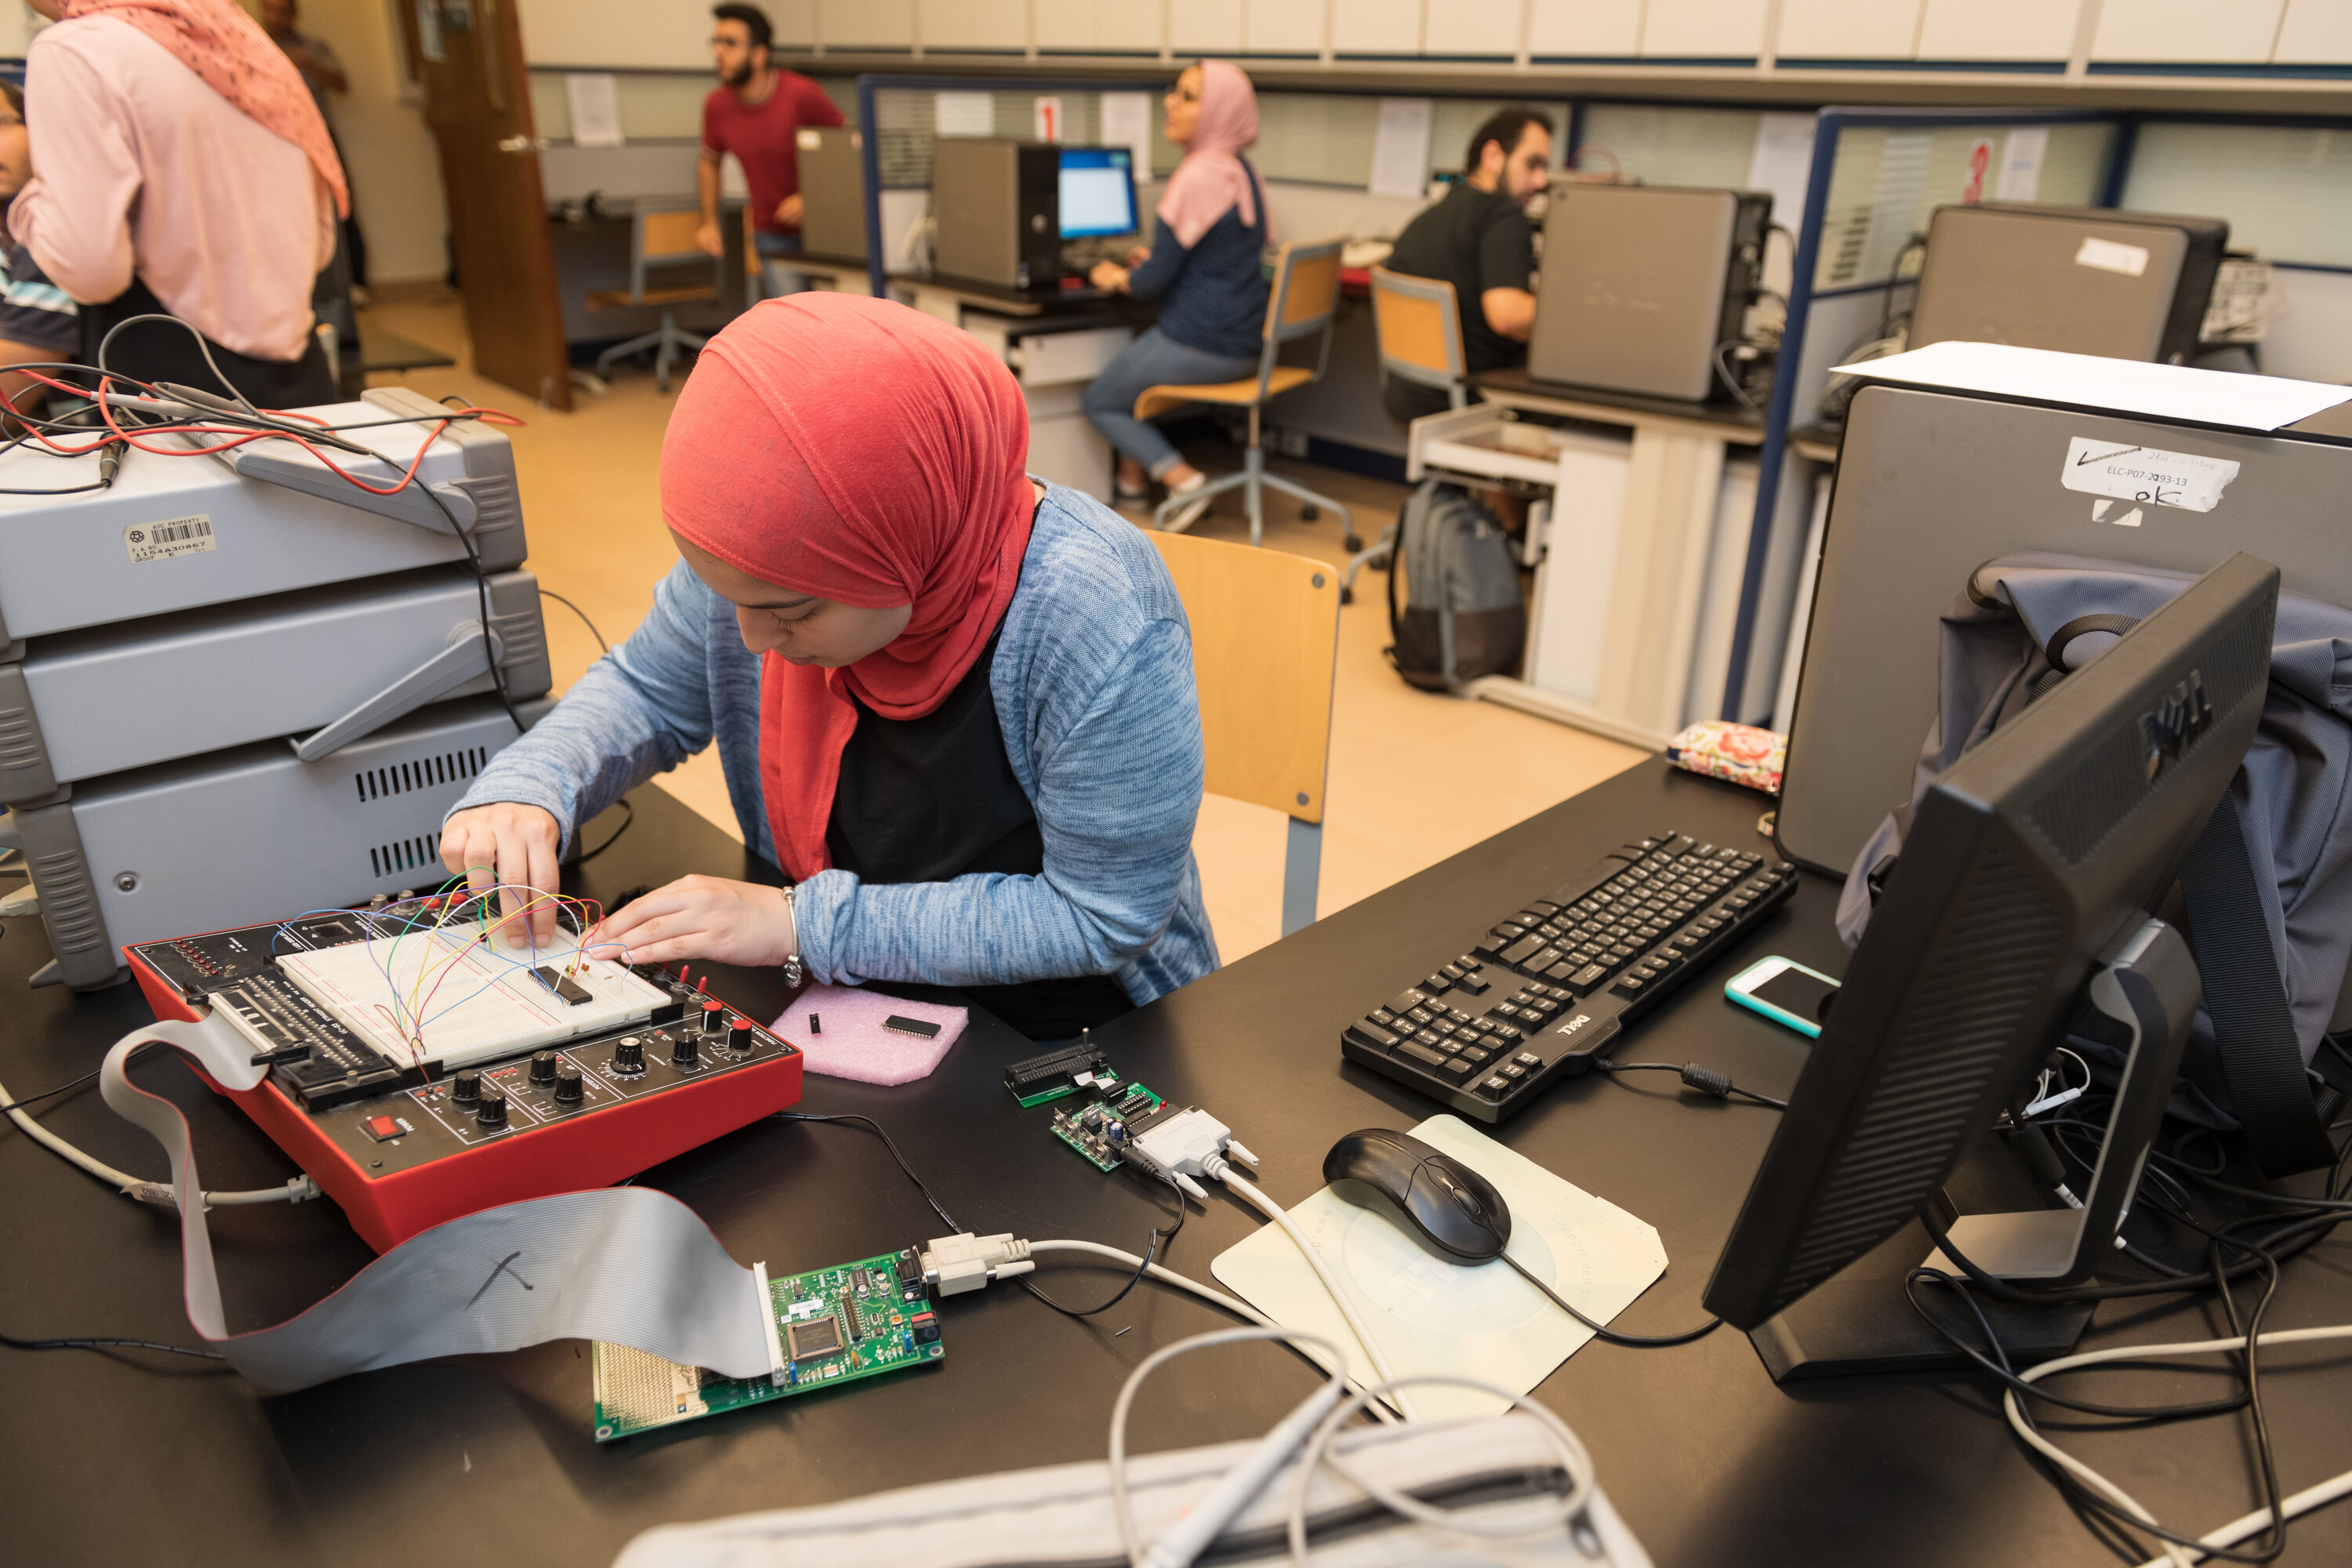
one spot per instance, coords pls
(509, 843)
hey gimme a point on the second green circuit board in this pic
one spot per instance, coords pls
(836, 1325)
(1099, 1131)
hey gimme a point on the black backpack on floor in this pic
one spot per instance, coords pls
(1463, 616)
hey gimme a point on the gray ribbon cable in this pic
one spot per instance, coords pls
(622, 1264)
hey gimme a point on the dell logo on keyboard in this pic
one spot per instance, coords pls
(1574, 1024)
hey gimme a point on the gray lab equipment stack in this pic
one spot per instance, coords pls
(1933, 484)
(234, 688)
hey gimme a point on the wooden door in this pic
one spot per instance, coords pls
(468, 56)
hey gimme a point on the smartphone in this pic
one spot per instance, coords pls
(1785, 992)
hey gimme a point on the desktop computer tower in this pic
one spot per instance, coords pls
(998, 203)
(1642, 283)
(2077, 280)
(833, 192)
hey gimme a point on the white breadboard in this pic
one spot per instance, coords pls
(476, 1002)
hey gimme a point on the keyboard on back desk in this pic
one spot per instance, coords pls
(1554, 984)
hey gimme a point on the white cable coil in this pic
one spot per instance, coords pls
(2175, 1555)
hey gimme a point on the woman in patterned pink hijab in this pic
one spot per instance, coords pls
(215, 40)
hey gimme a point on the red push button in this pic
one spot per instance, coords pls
(383, 1129)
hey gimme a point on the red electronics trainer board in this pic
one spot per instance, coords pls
(403, 1141)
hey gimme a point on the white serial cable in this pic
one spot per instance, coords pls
(1194, 1143)
(1239, 1486)
(1248, 1193)
(139, 1187)
(1233, 1304)
(2174, 1554)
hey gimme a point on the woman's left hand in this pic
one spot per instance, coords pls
(740, 923)
(1108, 276)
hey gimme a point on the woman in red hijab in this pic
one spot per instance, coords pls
(955, 706)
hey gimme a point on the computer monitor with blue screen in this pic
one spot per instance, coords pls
(1098, 192)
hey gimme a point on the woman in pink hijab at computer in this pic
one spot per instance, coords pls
(1211, 181)
(1203, 268)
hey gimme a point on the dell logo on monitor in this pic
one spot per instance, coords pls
(2167, 730)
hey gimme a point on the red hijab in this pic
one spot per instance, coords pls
(859, 451)
(228, 51)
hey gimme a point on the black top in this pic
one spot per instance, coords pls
(934, 798)
(159, 350)
(1476, 241)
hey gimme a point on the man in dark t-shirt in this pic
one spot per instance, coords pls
(756, 112)
(1479, 239)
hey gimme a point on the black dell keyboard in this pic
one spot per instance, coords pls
(1555, 984)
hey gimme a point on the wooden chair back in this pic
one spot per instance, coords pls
(1418, 322)
(1266, 646)
(662, 235)
(1306, 290)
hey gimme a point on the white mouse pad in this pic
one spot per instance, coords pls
(1431, 1315)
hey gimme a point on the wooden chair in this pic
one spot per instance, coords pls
(1418, 322)
(661, 235)
(1265, 649)
(1304, 296)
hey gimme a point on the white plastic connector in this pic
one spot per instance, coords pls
(776, 1367)
(1189, 1144)
(955, 1263)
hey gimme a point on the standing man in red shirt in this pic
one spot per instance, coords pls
(756, 112)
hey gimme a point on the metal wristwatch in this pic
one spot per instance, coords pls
(794, 971)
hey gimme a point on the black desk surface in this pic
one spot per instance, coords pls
(488, 1459)
(1718, 411)
(1044, 297)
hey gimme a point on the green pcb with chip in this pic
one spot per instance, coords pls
(1098, 1132)
(834, 1325)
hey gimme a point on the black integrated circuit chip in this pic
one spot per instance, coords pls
(562, 984)
(814, 1340)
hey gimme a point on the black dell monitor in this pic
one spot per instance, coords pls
(2023, 890)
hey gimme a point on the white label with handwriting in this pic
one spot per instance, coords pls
(2145, 474)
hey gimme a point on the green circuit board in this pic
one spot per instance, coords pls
(1090, 1129)
(834, 1325)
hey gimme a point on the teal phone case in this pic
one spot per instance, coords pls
(1779, 1016)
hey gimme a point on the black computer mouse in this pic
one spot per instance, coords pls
(1456, 1210)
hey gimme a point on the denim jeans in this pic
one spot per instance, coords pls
(775, 279)
(1151, 359)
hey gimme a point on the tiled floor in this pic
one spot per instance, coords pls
(591, 499)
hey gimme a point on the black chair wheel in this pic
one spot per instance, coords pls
(1352, 543)
(1346, 595)
(1310, 511)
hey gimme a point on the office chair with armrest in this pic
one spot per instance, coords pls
(661, 235)
(1266, 651)
(1418, 322)
(1304, 296)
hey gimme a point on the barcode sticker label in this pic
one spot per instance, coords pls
(173, 536)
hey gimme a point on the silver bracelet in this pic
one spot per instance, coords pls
(794, 971)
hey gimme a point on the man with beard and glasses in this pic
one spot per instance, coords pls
(756, 113)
